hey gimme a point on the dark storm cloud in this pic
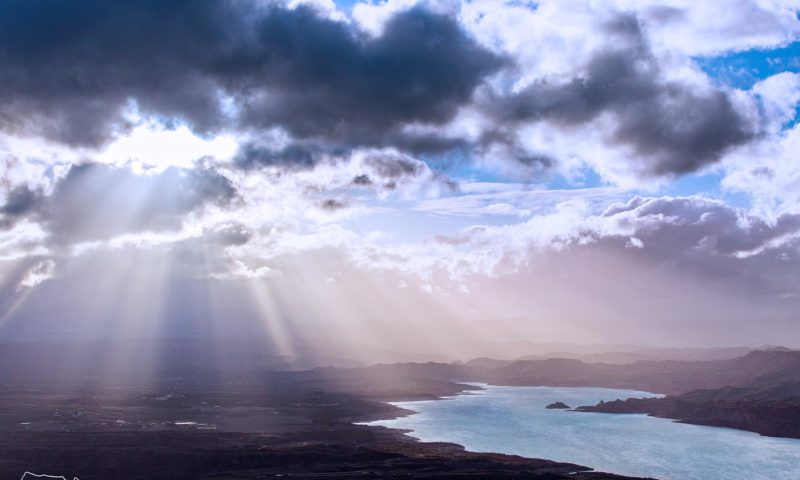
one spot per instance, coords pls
(251, 155)
(96, 201)
(332, 204)
(323, 80)
(68, 69)
(20, 201)
(391, 168)
(675, 128)
(505, 143)
(394, 166)
(362, 180)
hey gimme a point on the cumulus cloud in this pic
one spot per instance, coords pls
(422, 68)
(95, 201)
(332, 204)
(768, 172)
(37, 274)
(779, 95)
(391, 166)
(693, 236)
(294, 156)
(192, 61)
(20, 201)
(686, 224)
(380, 148)
(332, 87)
(72, 80)
(672, 127)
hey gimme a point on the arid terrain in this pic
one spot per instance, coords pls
(186, 421)
(281, 427)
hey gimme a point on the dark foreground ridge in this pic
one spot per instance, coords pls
(339, 453)
(289, 425)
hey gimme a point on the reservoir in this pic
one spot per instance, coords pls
(514, 420)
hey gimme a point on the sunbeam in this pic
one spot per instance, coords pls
(235, 234)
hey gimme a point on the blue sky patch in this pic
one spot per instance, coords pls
(744, 69)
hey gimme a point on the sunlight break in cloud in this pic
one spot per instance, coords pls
(203, 167)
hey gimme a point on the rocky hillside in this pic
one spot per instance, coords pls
(768, 404)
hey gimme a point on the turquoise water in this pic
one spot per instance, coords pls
(513, 420)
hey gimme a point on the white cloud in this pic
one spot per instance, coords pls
(780, 96)
(38, 273)
(286, 210)
(769, 173)
(634, 242)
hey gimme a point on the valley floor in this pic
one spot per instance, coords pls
(200, 432)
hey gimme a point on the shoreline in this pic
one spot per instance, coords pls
(740, 416)
(450, 423)
(305, 422)
(405, 412)
(404, 435)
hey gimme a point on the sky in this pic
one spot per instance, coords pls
(401, 174)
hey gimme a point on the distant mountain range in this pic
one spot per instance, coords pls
(158, 357)
(659, 376)
(758, 390)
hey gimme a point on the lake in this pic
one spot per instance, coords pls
(513, 420)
